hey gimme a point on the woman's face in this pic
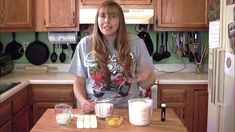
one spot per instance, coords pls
(108, 23)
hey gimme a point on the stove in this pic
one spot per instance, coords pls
(5, 86)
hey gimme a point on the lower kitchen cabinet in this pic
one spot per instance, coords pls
(5, 116)
(189, 103)
(14, 113)
(45, 96)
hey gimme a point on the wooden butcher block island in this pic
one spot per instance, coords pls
(47, 123)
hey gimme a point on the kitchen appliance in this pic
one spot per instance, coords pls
(221, 72)
(4, 86)
(6, 64)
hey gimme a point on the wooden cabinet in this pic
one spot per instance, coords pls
(20, 111)
(5, 116)
(180, 15)
(16, 15)
(200, 110)
(189, 103)
(46, 96)
(174, 97)
(54, 15)
(14, 113)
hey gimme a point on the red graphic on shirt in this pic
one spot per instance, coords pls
(118, 80)
(97, 74)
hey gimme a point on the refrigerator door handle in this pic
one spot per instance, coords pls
(219, 88)
(214, 75)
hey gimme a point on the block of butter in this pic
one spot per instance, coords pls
(86, 121)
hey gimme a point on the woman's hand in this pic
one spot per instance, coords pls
(145, 76)
(88, 106)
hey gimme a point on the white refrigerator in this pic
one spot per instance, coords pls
(221, 80)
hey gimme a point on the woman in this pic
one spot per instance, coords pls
(110, 63)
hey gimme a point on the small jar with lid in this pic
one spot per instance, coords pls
(104, 107)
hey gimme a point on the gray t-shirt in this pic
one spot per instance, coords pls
(121, 89)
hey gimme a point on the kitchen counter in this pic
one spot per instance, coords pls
(66, 78)
(182, 78)
(47, 123)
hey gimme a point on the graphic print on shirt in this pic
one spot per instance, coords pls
(119, 86)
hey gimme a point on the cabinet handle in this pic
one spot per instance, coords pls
(183, 113)
(73, 17)
(1, 17)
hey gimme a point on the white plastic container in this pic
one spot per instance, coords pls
(140, 111)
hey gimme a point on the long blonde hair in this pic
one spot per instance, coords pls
(121, 43)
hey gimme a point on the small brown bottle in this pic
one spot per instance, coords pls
(163, 112)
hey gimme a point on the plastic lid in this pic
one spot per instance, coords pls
(163, 105)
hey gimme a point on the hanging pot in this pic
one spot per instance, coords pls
(14, 48)
(37, 52)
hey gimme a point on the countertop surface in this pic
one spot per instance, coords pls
(66, 78)
(172, 124)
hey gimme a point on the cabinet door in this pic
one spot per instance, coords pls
(46, 96)
(175, 97)
(6, 127)
(200, 110)
(16, 14)
(181, 13)
(60, 13)
(40, 107)
(5, 116)
(21, 120)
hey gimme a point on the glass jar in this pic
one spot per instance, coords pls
(104, 107)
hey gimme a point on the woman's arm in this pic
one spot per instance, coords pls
(79, 88)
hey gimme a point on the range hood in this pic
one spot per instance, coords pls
(132, 16)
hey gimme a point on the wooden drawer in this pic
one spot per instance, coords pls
(173, 94)
(53, 92)
(20, 100)
(5, 112)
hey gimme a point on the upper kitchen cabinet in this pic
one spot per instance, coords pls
(16, 15)
(54, 15)
(181, 15)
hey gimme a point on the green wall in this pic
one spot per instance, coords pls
(27, 37)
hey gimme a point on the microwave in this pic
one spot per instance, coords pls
(6, 64)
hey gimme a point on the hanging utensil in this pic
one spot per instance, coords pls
(53, 55)
(178, 52)
(156, 55)
(62, 55)
(166, 53)
(162, 46)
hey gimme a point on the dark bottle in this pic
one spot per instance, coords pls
(163, 112)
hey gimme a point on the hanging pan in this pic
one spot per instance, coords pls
(14, 48)
(37, 52)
